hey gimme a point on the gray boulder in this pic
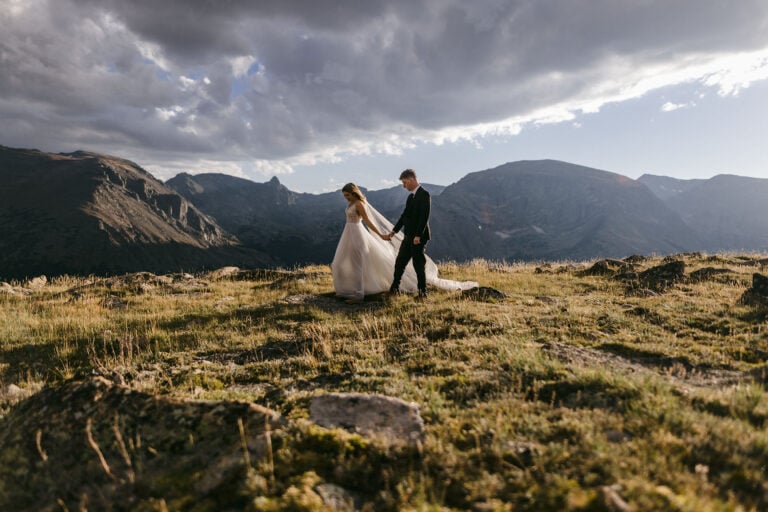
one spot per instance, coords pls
(369, 415)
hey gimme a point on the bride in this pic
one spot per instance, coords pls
(364, 261)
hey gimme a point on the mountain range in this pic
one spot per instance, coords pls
(727, 212)
(83, 213)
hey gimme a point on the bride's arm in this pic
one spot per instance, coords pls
(364, 215)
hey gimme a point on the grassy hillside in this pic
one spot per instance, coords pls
(576, 392)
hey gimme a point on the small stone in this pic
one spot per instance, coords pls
(335, 497)
(485, 293)
(14, 391)
(611, 499)
(617, 436)
(7, 289)
(223, 272)
(37, 282)
(524, 452)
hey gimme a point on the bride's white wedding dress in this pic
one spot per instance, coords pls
(364, 264)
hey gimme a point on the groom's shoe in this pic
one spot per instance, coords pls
(421, 296)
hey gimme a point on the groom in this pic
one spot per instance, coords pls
(415, 221)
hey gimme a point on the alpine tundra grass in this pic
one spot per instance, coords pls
(575, 392)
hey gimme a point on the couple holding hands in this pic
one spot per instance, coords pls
(380, 258)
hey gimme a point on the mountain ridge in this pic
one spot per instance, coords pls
(727, 211)
(549, 209)
(84, 212)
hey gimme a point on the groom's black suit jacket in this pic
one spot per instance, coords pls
(415, 217)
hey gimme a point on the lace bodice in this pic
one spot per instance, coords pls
(352, 215)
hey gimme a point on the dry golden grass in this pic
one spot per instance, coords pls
(568, 394)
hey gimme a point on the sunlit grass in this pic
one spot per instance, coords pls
(542, 401)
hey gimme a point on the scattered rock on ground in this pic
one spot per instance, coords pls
(37, 282)
(13, 391)
(617, 436)
(708, 274)
(757, 295)
(369, 415)
(9, 289)
(336, 498)
(635, 258)
(661, 277)
(223, 272)
(525, 453)
(607, 267)
(483, 293)
(612, 501)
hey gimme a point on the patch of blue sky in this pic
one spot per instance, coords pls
(240, 86)
(164, 75)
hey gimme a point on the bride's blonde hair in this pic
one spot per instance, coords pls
(352, 189)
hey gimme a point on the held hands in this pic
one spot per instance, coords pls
(388, 236)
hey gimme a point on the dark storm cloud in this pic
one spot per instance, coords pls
(273, 79)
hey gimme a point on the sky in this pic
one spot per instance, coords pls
(321, 93)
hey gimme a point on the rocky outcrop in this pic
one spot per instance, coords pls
(661, 277)
(709, 274)
(757, 295)
(607, 267)
(90, 445)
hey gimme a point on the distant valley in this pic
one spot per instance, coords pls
(85, 213)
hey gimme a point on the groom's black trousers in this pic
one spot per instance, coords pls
(409, 252)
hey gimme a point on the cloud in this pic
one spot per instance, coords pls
(670, 107)
(263, 86)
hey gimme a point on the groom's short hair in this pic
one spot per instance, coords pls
(408, 173)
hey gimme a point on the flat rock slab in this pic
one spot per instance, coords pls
(369, 415)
